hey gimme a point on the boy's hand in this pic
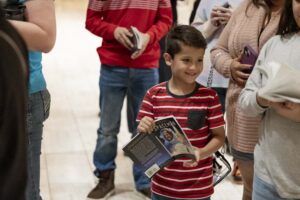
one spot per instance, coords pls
(122, 35)
(194, 163)
(145, 39)
(146, 125)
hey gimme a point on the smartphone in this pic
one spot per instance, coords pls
(249, 57)
(226, 5)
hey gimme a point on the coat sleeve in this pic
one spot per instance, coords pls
(247, 98)
(220, 55)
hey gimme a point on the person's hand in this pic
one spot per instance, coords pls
(146, 125)
(220, 15)
(122, 35)
(145, 37)
(263, 102)
(224, 14)
(287, 109)
(214, 17)
(237, 71)
(193, 163)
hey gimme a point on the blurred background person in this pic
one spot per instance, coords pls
(39, 32)
(211, 18)
(276, 155)
(13, 93)
(124, 72)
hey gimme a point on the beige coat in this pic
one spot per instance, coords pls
(242, 29)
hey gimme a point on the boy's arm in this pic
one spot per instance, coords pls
(216, 127)
(216, 142)
(145, 116)
(95, 23)
(163, 23)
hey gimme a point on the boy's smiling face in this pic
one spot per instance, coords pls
(187, 64)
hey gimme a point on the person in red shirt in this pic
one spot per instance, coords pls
(198, 111)
(124, 73)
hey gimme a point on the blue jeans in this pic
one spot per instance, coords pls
(264, 191)
(37, 112)
(158, 197)
(115, 84)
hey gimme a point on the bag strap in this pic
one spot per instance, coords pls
(210, 76)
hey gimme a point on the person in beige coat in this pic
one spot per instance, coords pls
(252, 24)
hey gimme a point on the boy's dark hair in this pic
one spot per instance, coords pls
(287, 23)
(184, 35)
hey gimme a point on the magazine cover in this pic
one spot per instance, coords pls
(154, 151)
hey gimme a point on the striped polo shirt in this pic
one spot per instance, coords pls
(196, 113)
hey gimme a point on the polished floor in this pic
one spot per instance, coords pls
(72, 72)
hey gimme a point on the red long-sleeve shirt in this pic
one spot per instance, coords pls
(149, 16)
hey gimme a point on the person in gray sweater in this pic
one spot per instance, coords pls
(276, 155)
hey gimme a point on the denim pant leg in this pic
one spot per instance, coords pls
(37, 113)
(113, 86)
(264, 191)
(140, 81)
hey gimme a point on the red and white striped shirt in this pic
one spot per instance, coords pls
(196, 113)
(149, 16)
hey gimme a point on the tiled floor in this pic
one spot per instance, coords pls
(72, 71)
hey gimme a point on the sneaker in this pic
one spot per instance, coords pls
(105, 186)
(146, 193)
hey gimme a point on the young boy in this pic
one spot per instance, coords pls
(198, 111)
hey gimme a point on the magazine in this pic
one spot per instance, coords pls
(154, 151)
(136, 39)
(282, 83)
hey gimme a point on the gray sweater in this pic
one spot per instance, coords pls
(277, 154)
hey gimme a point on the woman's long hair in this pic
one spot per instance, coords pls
(287, 23)
(266, 4)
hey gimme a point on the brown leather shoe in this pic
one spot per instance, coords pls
(105, 186)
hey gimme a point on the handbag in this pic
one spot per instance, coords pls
(221, 168)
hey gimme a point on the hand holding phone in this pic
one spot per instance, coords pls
(249, 56)
(220, 15)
